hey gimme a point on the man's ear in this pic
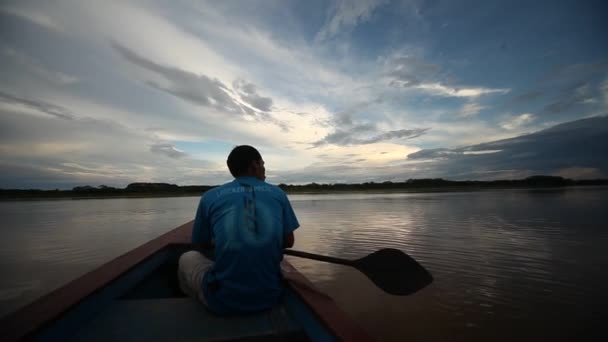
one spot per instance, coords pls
(253, 166)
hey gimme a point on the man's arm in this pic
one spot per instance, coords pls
(290, 223)
(289, 240)
(202, 236)
(201, 230)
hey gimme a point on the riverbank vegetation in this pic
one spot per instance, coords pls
(410, 185)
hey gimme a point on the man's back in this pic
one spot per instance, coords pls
(248, 220)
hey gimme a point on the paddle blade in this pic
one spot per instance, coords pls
(394, 271)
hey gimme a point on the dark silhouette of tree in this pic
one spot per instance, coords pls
(425, 184)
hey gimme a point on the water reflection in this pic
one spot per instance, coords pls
(44, 244)
(497, 257)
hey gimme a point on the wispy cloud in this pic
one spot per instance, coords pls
(36, 67)
(364, 134)
(410, 71)
(470, 109)
(249, 94)
(571, 96)
(242, 100)
(33, 15)
(11, 102)
(466, 92)
(518, 121)
(345, 14)
(168, 150)
(433, 154)
(527, 96)
(198, 89)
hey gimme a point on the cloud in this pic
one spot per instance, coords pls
(435, 153)
(574, 89)
(447, 91)
(470, 109)
(409, 71)
(42, 151)
(248, 93)
(34, 176)
(398, 134)
(205, 91)
(198, 89)
(580, 173)
(346, 14)
(604, 92)
(575, 72)
(348, 137)
(518, 121)
(576, 144)
(527, 96)
(570, 97)
(168, 150)
(42, 148)
(33, 15)
(33, 106)
(37, 68)
(348, 131)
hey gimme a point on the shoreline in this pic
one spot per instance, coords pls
(69, 195)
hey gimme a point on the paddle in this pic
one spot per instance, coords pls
(390, 269)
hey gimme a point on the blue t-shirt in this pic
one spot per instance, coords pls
(248, 219)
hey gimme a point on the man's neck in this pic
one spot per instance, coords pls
(247, 177)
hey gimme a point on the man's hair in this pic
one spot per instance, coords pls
(240, 158)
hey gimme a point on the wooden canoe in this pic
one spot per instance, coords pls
(135, 297)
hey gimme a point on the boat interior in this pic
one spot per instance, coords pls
(146, 304)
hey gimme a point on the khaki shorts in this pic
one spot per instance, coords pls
(190, 271)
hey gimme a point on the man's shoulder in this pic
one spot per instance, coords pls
(266, 187)
(213, 193)
(260, 187)
(263, 187)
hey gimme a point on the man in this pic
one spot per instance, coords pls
(249, 222)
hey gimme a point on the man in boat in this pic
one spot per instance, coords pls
(249, 222)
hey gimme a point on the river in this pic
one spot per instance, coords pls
(508, 264)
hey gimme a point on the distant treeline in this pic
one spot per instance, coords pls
(132, 190)
(440, 184)
(427, 184)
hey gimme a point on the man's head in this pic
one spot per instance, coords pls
(245, 160)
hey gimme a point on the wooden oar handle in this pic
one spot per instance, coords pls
(317, 257)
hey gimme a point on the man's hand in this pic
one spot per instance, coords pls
(206, 248)
(204, 245)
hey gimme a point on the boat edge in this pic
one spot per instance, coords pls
(35, 316)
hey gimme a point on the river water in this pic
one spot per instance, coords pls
(508, 264)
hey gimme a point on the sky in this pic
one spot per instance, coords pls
(115, 92)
